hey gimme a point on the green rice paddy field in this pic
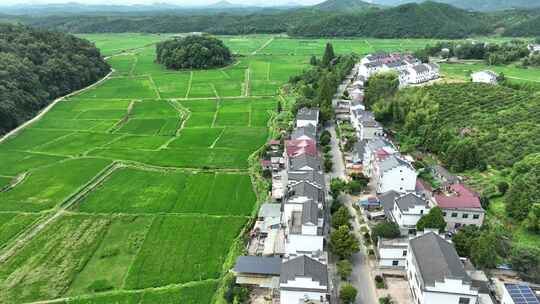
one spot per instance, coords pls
(148, 173)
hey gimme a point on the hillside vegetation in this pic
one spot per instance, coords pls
(331, 18)
(38, 66)
(478, 5)
(530, 27)
(467, 124)
(424, 20)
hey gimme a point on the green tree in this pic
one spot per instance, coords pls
(485, 250)
(347, 293)
(532, 222)
(328, 55)
(337, 186)
(193, 52)
(341, 218)
(381, 86)
(344, 269)
(465, 239)
(502, 187)
(433, 220)
(525, 189)
(388, 230)
(343, 242)
(324, 97)
(526, 261)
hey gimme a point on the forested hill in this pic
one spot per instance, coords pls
(528, 28)
(37, 66)
(477, 5)
(343, 5)
(424, 20)
(428, 19)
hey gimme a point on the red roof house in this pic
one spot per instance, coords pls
(295, 148)
(459, 197)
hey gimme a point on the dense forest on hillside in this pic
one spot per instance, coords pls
(428, 19)
(477, 5)
(37, 66)
(528, 28)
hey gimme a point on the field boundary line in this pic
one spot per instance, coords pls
(133, 65)
(247, 81)
(217, 138)
(119, 124)
(155, 86)
(189, 84)
(215, 91)
(45, 110)
(15, 181)
(268, 72)
(126, 275)
(262, 47)
(215, 114)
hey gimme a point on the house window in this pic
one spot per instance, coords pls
(404, 252)
(395, 263)
(457, 225)
(454, 214)
(421, 211)
(476, 216)
(444, 213)
(465, 215)
(464, 300)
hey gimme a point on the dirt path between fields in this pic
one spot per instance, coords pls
(267, 43)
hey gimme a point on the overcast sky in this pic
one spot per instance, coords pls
(185, 2)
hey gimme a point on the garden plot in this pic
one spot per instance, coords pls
(116, 251)
(191, 293)
(45, 267)
(47, 187)
(138, 191)
(123, 87)
(195, 250)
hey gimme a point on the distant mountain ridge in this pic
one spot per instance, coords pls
(343, 5)
(477, 5)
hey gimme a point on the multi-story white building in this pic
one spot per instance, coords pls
(394, 173)
(303, 279)
(489, 77)
(421, 73)
(407, 211)
(303, 228)
(307, 116)
(392, 252)
(436, 274)
(370, 155)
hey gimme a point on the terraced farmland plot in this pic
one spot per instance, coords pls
(172, 85)
(245, 45)
(76, 143)
(195, 250)
(124, 87)
(122, 65)
(15, 162)
(13, 223)
(45, 267)
(110, 44)
(47, 187)
(138, 191)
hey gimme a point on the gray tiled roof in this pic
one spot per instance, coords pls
(305, 160)
(393, 162)
(309, 131)
(306, 267)
(421, 68)
(270, 210)
(306, 189)
(314, 177)
(410, 200)
(308, 114)
(310, 213)
(437, 259)
(377, 143)
(360, 147)
(387, 200)
(258, 265)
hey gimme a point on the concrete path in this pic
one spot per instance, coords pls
(361, 277)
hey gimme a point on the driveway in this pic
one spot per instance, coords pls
(361, 277)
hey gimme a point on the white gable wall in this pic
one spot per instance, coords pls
(401, 179)
(300, 243)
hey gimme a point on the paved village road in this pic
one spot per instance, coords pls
(360, 277)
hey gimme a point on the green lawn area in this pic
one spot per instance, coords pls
(460, 71)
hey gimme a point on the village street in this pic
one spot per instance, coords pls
(360, 278)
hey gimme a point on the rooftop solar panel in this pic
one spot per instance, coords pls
(522, 294)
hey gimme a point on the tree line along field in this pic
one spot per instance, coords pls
(149, 162)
